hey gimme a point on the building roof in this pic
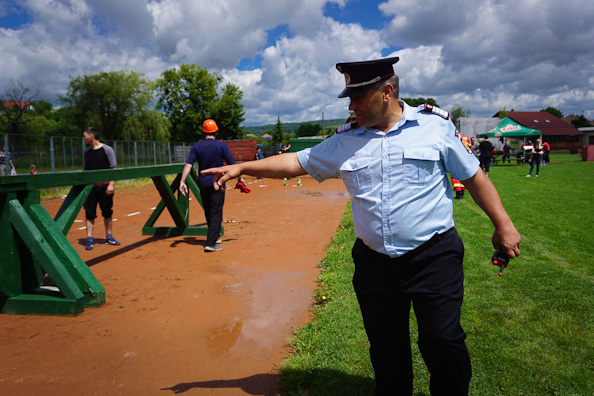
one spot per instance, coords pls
(20, 105)
(547, 123)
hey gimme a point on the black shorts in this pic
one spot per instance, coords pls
(485, 163)
(98, 195)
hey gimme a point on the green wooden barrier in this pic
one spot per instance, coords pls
(33, 244)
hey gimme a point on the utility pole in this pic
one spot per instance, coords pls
(323, 133)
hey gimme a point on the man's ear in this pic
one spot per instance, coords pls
(387, 91)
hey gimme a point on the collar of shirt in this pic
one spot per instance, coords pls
(408, 114)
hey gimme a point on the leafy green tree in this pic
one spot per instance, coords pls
(149, 125)
(556, 112)
(277, 132)
(307, 129)
(66, 125)
(107, 100)
(580, 122)
(502, 113)
(459, 112)
(228, 113)
(188, 95)
(50, 122)
(419, 101)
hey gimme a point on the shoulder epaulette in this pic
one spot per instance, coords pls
(346, 127)
(435, 110)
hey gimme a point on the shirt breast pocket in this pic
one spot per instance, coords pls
(356, 175)
(420, 164)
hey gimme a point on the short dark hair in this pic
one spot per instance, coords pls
(394, 81)
(93, 131)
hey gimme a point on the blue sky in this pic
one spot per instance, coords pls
(483, 55)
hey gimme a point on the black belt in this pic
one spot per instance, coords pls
(433, 241)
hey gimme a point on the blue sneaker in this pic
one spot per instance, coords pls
(111, 241)
(90, 244)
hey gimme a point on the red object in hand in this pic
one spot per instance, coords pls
(242, 187)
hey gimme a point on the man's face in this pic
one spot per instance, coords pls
(367, 106)
(88, 138)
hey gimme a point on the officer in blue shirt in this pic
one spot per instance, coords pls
(393, 160)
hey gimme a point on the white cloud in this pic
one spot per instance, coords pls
(481, 54)
(528, 53)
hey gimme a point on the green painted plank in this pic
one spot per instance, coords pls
(94, 293)
(49, 180)
(40, 304)
(192, 183)
(71, 206)
(176, 211)
(42, 251)
(155, 215)
(10, 266)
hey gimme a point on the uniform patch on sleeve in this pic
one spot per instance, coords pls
(465, 141)
(346, 127)
(435, 110)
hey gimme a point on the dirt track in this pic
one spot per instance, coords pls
(177, 319)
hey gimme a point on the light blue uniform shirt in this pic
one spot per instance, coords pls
(401, 194)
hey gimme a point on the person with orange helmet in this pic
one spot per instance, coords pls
(209, 153)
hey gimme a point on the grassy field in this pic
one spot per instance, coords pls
(530, 331)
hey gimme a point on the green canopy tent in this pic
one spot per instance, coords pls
(509, 128)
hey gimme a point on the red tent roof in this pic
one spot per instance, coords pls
(543, 121)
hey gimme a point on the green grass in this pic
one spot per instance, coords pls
(530, 332)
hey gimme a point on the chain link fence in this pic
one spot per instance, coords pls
(63, 153)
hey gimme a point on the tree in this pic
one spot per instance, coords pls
(307, 129)
(502, 113)
(16, 101)
(458, 112)
(108, 100)
(189, 95)
(277, 132)
(419, 101)
(45, 120)
(228, 113)
(556, 112)
(148, 125)
(580, 122)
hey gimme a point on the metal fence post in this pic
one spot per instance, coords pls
(64, 153)
(7, 164)
(52, 156)
(72, 153)
(135, 154)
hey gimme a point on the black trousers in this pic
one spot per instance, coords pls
(431, 279)
(98, 195)
(213, 202)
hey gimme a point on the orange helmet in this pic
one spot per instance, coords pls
(209, 126)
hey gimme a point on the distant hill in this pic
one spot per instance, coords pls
(291, 127)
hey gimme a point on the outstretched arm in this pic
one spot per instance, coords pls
(275, 167)
(505, 238)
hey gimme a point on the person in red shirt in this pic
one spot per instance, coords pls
(547, 150)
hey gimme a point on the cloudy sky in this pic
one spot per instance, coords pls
(481, 54)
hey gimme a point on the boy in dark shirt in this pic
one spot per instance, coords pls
(99, 156)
